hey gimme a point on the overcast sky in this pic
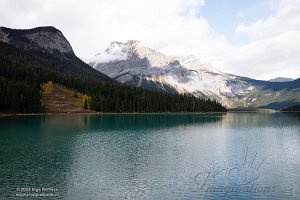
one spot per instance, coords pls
(254, 38)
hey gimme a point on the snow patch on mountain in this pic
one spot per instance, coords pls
(113, 53)
(118, 51)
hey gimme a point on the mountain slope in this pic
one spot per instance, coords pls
(141, 66)
(48, 47)
(30, 58)
(59, 99)
(133, 64)
(47, 38)
(281, 79)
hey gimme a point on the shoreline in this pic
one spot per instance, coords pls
(135, 113)
(106, 113)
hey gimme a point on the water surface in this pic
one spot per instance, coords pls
(151, 156)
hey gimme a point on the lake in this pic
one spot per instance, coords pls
(150, 156)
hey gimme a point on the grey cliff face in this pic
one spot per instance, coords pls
(47, 38)
(133, 64)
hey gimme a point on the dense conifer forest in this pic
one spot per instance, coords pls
(23, 71)
(295, 107)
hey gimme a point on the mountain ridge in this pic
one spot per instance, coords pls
(48, 38)
(30, 58)
(48, 45)
(133, 64)
(281, 79)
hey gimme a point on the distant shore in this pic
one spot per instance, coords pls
(141, 113)
(103, 113)
(252, 110)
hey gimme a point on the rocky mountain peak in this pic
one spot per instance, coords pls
(133, 43)
(47, 38)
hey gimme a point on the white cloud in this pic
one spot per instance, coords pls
(91, 25)
(172, 26)
(268, 57)
(286, 18)
(275, 46)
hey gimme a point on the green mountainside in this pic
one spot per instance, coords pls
(31, 58)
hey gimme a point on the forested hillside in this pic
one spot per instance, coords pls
(22, 72)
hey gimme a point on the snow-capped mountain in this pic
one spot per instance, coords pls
(47, 38)
(133, 64)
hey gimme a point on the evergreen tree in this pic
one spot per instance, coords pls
(85, 104)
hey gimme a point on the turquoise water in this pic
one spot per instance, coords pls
(157, 156)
